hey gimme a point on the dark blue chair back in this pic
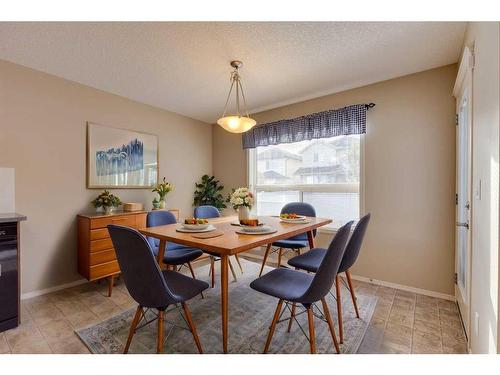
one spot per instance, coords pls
(299, 208)
(157, 218)
(354, 245)
(328, 269)
(142, 276)
(206, 212)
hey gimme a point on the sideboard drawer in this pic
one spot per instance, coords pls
(103, 270)
(99, 234)
(99, 257)
(99, 245)
(103, 222)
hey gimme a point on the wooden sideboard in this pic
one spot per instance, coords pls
(96, 255)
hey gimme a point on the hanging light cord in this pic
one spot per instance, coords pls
(235, 78)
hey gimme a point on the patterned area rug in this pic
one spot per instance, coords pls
(250, 314)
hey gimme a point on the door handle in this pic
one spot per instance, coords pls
(466, 225)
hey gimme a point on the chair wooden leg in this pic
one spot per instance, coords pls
(212, 270)
(268, 248)
(280, 254)
(326, 310)
(232, 269)
(292, 316)
(312, 335)
(353, 295)
(192, 327)
(192, 274)
(339, 308)
(133, 326)
(159, 340)
(238, 261)
(273, 325)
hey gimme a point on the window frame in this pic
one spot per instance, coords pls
(251, 174)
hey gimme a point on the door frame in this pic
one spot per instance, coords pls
(464, 82)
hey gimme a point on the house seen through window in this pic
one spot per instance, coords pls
(323, 172)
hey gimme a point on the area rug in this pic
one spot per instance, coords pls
(250, 314)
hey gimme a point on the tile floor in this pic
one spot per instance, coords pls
(406, 322)
(402, 322)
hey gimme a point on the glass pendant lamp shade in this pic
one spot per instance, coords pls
(236, 123)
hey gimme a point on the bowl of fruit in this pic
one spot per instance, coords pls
(292, 218)
(194, 223)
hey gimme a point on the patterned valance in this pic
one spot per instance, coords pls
(332, 123)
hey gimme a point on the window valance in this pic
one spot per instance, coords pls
(332, 123)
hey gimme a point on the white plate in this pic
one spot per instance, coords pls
(271, 230)
(184, 230)
(301, 221)
(237, 224)
(195, 226)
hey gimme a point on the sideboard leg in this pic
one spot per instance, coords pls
(111, 282)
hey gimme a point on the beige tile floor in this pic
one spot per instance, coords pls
(402, 323)
(406, 322)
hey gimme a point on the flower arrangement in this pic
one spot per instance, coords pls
(241, 197)
(163, 188)
(106, 200)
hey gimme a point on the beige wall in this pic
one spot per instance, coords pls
(483, 38)
(409, 175)
(43, 136)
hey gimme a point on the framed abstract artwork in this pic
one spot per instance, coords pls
(119, 158)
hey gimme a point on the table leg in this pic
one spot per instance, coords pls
(224, 276)
(161, 253)
(310, 239)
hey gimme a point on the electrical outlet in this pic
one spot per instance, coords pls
(476, 323)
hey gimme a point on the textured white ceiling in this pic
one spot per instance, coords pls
(184, 67)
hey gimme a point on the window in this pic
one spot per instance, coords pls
(323, 172)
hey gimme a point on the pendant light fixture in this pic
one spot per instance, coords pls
(236, 123)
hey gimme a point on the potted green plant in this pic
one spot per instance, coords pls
(163, 188)
(106, 201)
(209, 192)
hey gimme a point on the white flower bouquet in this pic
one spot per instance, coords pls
(241, 197)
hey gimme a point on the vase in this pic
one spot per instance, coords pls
(243, 213)
(107, 209)
(162, 204)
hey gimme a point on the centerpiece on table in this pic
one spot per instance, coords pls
(106, 201)
(242, 200)
(163, 188)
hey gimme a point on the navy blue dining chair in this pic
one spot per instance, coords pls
(176, 255)
(151, 287)
(311, 261)
(211, 212)
(295, 243)
(295, 287)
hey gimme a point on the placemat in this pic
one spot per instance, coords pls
(214, 233)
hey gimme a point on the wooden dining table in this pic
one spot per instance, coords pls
(231, 243)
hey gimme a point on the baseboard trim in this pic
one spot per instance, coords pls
(56, 288)
(425, 292)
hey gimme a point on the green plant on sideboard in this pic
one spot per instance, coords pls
(209, 192)
(106, 201)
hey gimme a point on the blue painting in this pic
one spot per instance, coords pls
(115, 161)
(121, 158)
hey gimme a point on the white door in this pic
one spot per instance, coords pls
(463, 94)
